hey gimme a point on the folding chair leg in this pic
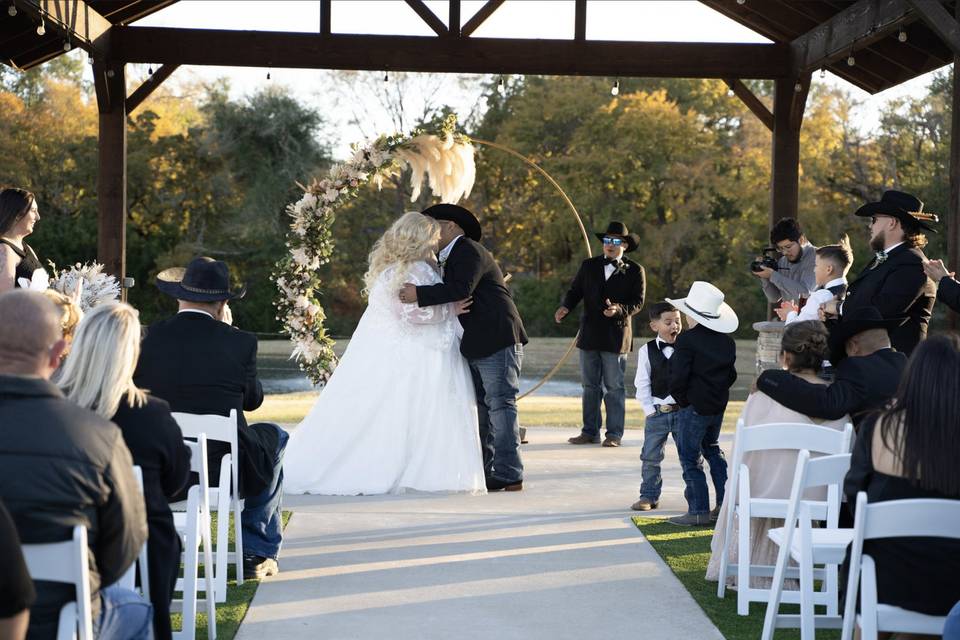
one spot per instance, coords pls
(807, 623)
(238, 536)
(743, 565)
(210, 594)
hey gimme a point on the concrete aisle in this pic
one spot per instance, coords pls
(558, 560)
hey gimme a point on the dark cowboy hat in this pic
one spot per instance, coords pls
(619, 230)
(454, 213)
(858, 321)
(204, 280)
(904, 207)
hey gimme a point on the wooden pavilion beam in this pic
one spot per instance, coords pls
(453, 18)
(457, 55)
(110, 84)
(856, 26)
(940, 21)
(485, 12)
(751, 101)
(790, 97)
(78, 22)
(580, 20)
(428, 16)
(324, 17)
(149, 85)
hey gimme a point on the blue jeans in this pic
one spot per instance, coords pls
(700, 436)
(951, 630)
(656, 428)
(261, 523)
(124, 615)
(496, 381)
(602, 375)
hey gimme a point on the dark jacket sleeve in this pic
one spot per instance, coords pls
(176, 469)
(16, 587)
(122, 517)
(948, 292)
(575, 293)
(830, 402)
(252, 389)
(462, 275)
(680, 364)
(861, 463)
(631, 307)
(900, 290)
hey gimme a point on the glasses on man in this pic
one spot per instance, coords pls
(614, 241)
(785, 248)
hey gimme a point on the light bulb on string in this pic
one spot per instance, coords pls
(823, 72)
(41, 29)
(501, 87)
(67, 46)
(268, 73)
(615, 89)
(741, 2)
(902, 36)
(150, 70)
(12, 10)
(798, 87)
(851, 60)
(386, 77)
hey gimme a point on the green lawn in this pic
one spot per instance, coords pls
(686, 550)
(230, 613)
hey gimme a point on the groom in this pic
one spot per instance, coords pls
(493, 338)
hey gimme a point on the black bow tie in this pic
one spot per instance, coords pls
(664, 345)
(613, 261)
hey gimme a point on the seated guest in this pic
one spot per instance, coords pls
(200, 364)
(803, 350)
(99, 376)
(18, 215)
(62, 465)
(910, 451)
(70, 316)
(863, 381)
(16, 587)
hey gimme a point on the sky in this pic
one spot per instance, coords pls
(641, 20)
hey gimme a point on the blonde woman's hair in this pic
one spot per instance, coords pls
(70, 314)
(412, 238)
(98, 375)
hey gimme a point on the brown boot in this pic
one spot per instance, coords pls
(583, 439)
(611, 442)
(644, 504)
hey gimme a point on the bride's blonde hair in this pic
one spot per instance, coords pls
(412, 238)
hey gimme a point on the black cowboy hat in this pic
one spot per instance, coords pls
(204, 280)
(455, 213)
(858, 321)
(904, 207)
(619, 230)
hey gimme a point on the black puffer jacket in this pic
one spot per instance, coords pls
(60, 466)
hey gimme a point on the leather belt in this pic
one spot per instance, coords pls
(666, 408)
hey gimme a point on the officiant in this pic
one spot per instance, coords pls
(612, 288)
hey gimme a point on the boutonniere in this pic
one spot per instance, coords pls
(622, 267)
(879, 259)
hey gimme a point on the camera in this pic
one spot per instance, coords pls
(768, 261)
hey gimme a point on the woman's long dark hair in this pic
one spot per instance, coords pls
(14, 204)
(923, 428)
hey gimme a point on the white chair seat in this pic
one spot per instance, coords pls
(897, 619)
(829, 545)
(777, 508)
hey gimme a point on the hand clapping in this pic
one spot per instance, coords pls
(611, 309)
(936, 270)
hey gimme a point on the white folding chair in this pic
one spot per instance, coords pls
(766, 437)
(66, 562)
(226, 495)
(920, 518)
(129, 579)
(193, 526)
(810, 546)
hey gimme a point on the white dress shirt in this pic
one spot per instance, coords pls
(811, 310)
(642, 381)
(445, 253)
(195, 311)
(608, 270)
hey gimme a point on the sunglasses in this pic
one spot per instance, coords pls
(614, 241)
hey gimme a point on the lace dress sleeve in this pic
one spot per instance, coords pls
(422, 273)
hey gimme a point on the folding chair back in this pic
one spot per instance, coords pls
(129, 579)
(66, 562)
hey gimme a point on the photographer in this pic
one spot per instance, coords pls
(793, 278)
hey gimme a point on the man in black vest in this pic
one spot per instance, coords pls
(894, 281)
(612, 288)
(200, 364)
(493, 337)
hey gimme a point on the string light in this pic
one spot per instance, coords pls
(823, 72)
(741, 2)
(386, 77)
(798, 87)
(40, 28)
(67, 46)
(268, 73)
(902, 36)
(615, 89)
(12, 10)
(501, 87)
(150, 70)
(851, 60)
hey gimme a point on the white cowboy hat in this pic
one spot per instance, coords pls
(704, 303)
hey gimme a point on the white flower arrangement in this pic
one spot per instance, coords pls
(445, 158)
(87, 284)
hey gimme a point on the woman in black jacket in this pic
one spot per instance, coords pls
(98, 375)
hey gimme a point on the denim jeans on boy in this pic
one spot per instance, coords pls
(602, 375)
(496, 380)
(262, 526)
(124, 615)
(656, 429)
(700, 436)
(951, 630)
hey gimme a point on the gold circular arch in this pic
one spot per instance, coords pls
(583, 232)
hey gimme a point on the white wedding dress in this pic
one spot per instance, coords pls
(399, 411)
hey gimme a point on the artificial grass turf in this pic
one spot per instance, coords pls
(686, 550)
(230, 613)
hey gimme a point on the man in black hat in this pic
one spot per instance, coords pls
(864, 381)
(894, 281)
(493, 337)
(200, 364)
(612, 288)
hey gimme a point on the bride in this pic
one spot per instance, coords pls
(399, 412)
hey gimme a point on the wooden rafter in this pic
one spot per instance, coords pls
(940, 21)
(76, 19)
(428, 16)
(853, 28)
(751, 101)
(454, 18)
(149, 85)
(458, 55)
(580, 20)
(485, 12)
(324, 17)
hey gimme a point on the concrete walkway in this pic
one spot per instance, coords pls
(558, 560)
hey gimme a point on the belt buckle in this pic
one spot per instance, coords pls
(666, 408)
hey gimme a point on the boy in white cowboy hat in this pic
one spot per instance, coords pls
(702, 370)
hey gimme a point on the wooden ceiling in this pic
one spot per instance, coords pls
(807, 35)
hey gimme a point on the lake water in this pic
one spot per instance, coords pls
(297, 383)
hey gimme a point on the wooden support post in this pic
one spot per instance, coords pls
(112, 169)
(453, 19)
(953, 207)
(580, 20)
(788, 106)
